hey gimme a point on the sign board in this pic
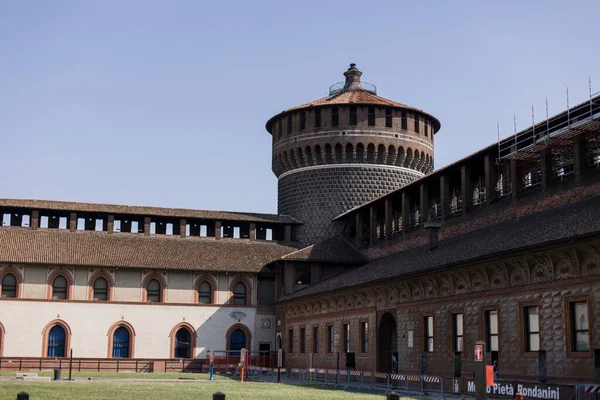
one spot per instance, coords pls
(478, 352)
(211, 356)
(529, 389)
(243, 357)
(280, 358)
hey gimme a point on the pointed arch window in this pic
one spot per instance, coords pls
(239, 294)
(154, 291)
(121, 343)
(101, 289)
(205, 293)
(9, 286)
(56, 341)
(59, 288)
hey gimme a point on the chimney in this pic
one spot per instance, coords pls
(352, 78)
(433, 227)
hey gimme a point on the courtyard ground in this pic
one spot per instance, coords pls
(109, 388)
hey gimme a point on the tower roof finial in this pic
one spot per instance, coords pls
(352, 78)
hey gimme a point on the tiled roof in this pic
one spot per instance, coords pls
(358, 97)
(559, 224)
(103, 250)
(336, 250)
(146, 211)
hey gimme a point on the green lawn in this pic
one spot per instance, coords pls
(96, 390)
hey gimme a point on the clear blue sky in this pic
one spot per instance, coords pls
(164, 102)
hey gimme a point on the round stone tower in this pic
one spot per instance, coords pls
(335, 153)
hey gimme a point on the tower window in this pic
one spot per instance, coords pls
(388, 117)
(289, 124)
(353, 118)
(417, 123)
(371, 112)
(335, 116)
(426, 125)
(302, 120)
(404, 121)
(318, 118)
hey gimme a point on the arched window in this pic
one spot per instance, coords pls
(153, 289)
(101, 289)
(182, 344)
(59, 288)
(9, 286)
(121, 343)
(56, 342)
(239, 294)
(205, 293)
(237, 341)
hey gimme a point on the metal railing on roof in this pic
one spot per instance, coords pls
(560, 125)
(338, 87)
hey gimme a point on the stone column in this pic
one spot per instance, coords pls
(579, 158)
(252, 231)
(490, 179)
(147, 226)
(424, 201)
(110, 224)
(182, 227)
(405, 211)
(467, 191)
(372, 225)
(73, 222)
(444, 196)
(35, 219)
(389, 215)
(515, 180)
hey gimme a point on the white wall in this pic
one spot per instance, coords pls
(24, 321)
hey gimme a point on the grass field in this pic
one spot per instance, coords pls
(132, 390)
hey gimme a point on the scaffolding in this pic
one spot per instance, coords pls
(556, 131)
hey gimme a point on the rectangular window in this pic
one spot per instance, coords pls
(291, 341)
(330, 339)
(404, 120)
(531, 328)
(302, 340)
(417, 123)
(371, 112)
(279, 127)
(364, 337)
(491, 329)
(578, 325)
(317, 118)
(388, 117)
(428, 333)
(426, 125)
(346, 338)
(335, 116)
(302, 120)
(315, 340)
(289, 124)
(353, 117)
(457, 333)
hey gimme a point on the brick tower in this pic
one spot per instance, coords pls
(340, 151)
